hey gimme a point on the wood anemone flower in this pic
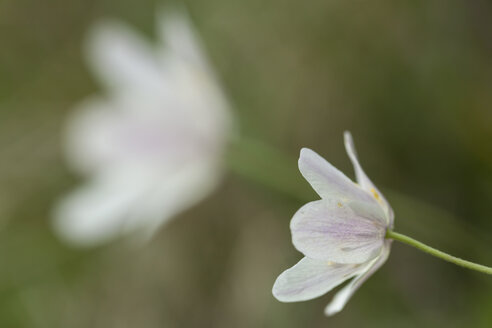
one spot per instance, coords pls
(342, 235)
(151, 145)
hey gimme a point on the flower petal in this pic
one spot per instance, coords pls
(338, 231)
(328, 181)
(102, 134)
(310, 278)
(131, 198)
(177, 34)
(172, 193)
(122, 59)
(98, 211)
(362, 178)
(194, 82)
(89, 140)
(344, 295)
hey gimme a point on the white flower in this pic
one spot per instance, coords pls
(152, 145)
(342, 235)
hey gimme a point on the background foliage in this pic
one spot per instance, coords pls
(410, 79)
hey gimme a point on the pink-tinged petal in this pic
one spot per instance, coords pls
(337, 231)
(102, 134)
(363, 180)
(310, 278)
(328, 181)
(344, 295)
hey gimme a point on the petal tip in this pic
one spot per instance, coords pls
(306, 155)
(305, 151)
(349, 141)
(330, 311)
(302, 156)
(277, 289)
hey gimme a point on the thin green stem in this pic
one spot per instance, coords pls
(437, 253)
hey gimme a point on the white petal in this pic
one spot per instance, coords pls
(170, 194)
(195, 84)
(328, 181)
(100, 135)
(338, 231)
(123, 200)
(310, 278)
(122, 59)
(89, 141)
(97, 212)
(344, 295)
(362, 178)
(179, 37)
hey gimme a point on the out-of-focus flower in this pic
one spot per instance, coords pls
(342, 235)
(152, 145)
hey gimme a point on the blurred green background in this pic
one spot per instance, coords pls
(411, 80)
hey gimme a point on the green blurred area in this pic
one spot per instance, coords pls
(410, 79)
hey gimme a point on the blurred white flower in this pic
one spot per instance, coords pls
(342, 235)
(152, 145)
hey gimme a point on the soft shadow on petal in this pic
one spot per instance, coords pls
(333, 231)
(344, 295)
(327, 180)
(310, 278)
(361, 177)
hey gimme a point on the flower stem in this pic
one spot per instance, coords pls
(437, 253)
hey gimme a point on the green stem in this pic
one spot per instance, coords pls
(437, 253)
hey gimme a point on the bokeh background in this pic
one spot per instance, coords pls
(411, 80)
